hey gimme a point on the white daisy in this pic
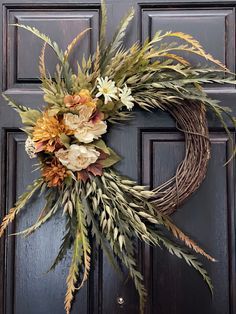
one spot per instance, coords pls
(106, 88)
(126, 97)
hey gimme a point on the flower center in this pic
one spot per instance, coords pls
(82, 159)
(105, 90)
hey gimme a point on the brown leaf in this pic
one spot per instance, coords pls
(82, 175)
(95, 169)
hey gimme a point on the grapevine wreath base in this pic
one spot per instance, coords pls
(102, 208)
(190, 173)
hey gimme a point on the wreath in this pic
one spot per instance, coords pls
(77, 173)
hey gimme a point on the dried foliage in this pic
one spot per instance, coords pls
(21, 202)
(99, 204)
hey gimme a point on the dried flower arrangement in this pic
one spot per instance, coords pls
(77, 174)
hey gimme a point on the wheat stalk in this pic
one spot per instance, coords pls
(22, 200)
(71, 46)
(183, 237)
(84, 241)
(42, 68)
(73, 272)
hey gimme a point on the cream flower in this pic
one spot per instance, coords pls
(126, 97)
(86, 112)
(74, 121)
(107, 88)
(90, 131)
(77, 157)
(85, 131)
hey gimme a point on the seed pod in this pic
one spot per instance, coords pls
(113, 184)
(147, 193)
(108, 210)
(105, 197)
(121, 241)
(108, 175)
(65, 196)
(94, 202)
(139, 187)
(104, 224)
(115, 233)
(134, 205)
(109, 221)
(70, 208)
(143, 214)
(129, 182)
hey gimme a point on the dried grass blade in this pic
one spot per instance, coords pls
(71, 46)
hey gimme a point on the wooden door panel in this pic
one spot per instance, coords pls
(29, 288)
(212, 26)
(60, 24)
(206, 218)
(151, 148)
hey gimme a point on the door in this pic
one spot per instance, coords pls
(151, 147)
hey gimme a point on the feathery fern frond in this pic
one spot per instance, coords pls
(84, 241)
(73, 271)
(189, 259)
(129, 262)
(183, 237)
(66, 243)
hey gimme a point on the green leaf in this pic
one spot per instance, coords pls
(102, 39)
(111, 160)
(19, 108)
(102, 145)
(53, 112)
(30, 117)
(107, 107)
(68, 180)
(65, 140)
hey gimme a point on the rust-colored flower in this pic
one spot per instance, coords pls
(82, 98)
(54, 173)
(47, 131)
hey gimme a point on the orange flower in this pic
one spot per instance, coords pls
(54, 173)
(82, 98)
(47, 133)
(71, 101)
